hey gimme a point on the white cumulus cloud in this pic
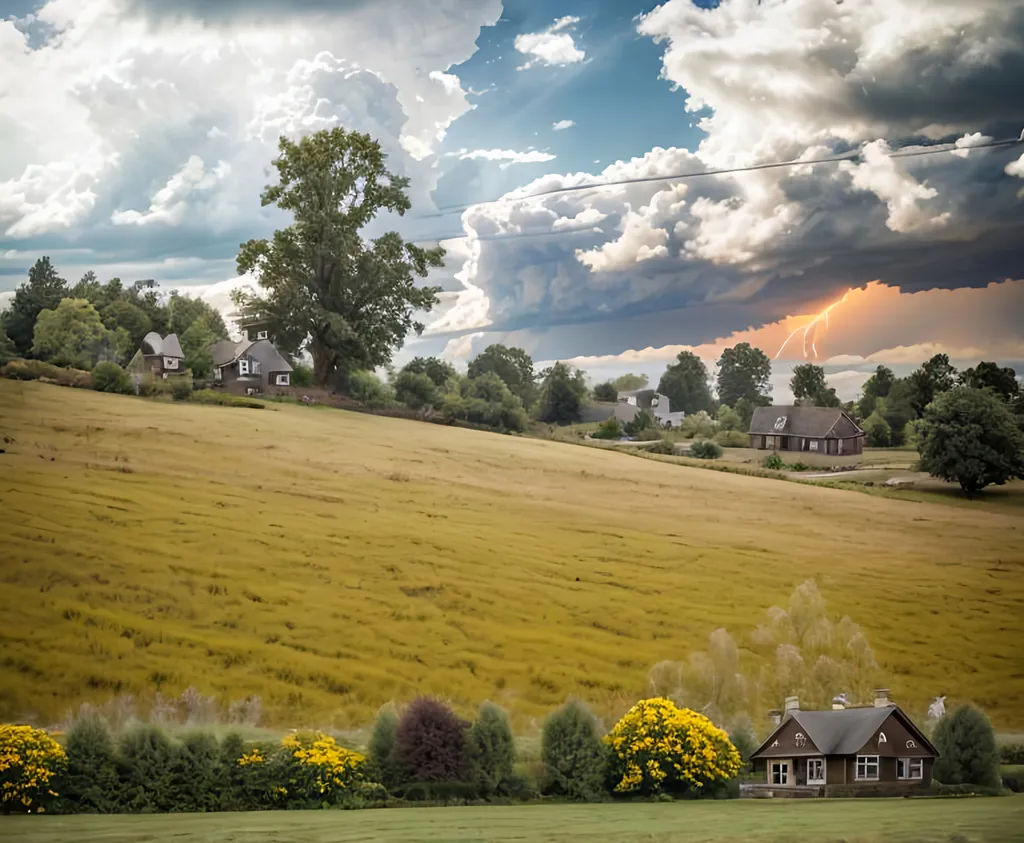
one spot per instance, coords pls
(553, 46)
(562, 125)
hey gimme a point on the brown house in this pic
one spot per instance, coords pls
(845, 752)
(814, 430)
(158, 356)
(249, 366)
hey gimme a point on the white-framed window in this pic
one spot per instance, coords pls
(909, 768)
(815, 771)
(170, 362)
(254, 366)
(261, 335)
(243, 367)
(813, 445)
(867, 768)
(283, 380)
(218, 375)
(779, 771)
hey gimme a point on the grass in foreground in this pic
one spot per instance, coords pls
(332, 561)
(853, 821)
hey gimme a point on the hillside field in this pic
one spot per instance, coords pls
(330, 561)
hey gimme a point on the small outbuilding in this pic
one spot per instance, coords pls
(158, 356)
(813, 430)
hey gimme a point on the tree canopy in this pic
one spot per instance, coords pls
(606, 392)
(439, 371)
(352, 303)
(513, 365)
(686, 385)
(563, 391)
(1001, 380)
(935, 376)
(44, 290)
(875, 387)
(810, 387)
(971, 437)
(630, 382)
(744, 372)
(72, 334)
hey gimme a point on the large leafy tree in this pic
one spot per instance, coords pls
(351, 302)
(439, 371)
(606, 392)
(1001, 380)
(630, 382)
(563, 392)
(43, 291)
(935, 376)
(513, 365)
(184, 311)
(197, 345)
(131, 318)
(72, 334)
(875, 387)
(686, 385)
(810, 387)
(744, 372)
(971, 437)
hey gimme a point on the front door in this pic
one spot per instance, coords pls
(779, 772)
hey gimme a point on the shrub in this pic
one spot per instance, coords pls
(91, 785)
(302, 375)
(181, 386)
(492, 750)
(430, 743)
(382, 748)
(642, 421)
(705, 450)
(320, 771)
(1011, 753)
(368, 389)
(415, 389)
(196, 774)
(967, 749)
(662, 446)
(610, 429)
(698, 424)
(232, 795)
(743, 738)
(732, 439)
(575, 761)
(225, 399)
(145, 761)
(648, 434)
(32, 370)
(773, 462)
(799, 465)
(659, 747)
(109, 377)
(31, 762)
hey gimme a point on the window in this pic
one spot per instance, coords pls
(780, 772)
(254, 366)
(217, 374)
(769, 441)
(814, 444)
(867, 768)
(816, 771)
(282, 380)
(243, 367)
(909, 768)
(170, 362)
(261, 335)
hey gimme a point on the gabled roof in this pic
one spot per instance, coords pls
(226, 352)
(812, 422)
(844, 732)
(167, 346)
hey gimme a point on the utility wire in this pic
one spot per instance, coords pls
(852, 155)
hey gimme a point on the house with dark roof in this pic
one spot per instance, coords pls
(813, 430)
(157, 356)
(875, 750)
(249, 366)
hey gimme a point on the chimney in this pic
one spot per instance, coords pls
(792, 704)
(882, 698)
(775, 716)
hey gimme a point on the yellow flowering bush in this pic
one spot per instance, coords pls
(30, 762)
(657, 747)
(320, 770)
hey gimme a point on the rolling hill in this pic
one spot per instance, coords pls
(330, 561)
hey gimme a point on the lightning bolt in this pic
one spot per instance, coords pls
(807, 329)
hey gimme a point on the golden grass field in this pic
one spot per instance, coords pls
(330, 561)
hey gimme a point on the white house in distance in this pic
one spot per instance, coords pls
(632, 403)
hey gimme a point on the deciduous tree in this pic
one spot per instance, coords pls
(513, 365)
(810, 387)
(352, 302)
(1002, 380)
(630, 382)
(934, 377)
(44, 290)
(70, 335)
(686, 385)
(606, 392)
(562, 393)
(875, 387)
(744, 372)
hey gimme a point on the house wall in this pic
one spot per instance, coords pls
(791, 740)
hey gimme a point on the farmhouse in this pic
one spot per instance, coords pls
(157, 356)
(249, 366)
(815, 430)
(632, 403)
(843, 752)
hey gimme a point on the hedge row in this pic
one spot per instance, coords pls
(426, 754)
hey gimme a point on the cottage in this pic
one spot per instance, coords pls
(844, 751)
(814, 430)
(158, 356)
(249, 366)
(631, 404)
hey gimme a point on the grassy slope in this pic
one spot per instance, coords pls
(330, 561)
(893, 820)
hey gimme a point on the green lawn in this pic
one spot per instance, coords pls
(854, 821)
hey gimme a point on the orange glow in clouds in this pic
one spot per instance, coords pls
(812, 329)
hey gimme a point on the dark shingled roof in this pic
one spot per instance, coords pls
(812, 422)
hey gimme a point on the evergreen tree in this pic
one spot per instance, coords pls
(967, 749)
(91, 783)
(492, 749)
(575, 760)
(382, 747)
(145, 763)
(44, 290)
(195, 774)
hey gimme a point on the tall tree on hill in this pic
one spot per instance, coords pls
(810, 387)
(686, 384)
(44, 290)
(513, 365)
(935, 376)
(355, 301)
(744, 372)
(562, 394)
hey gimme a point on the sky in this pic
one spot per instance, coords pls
(137, 137)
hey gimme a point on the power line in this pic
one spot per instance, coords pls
(852, 155)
